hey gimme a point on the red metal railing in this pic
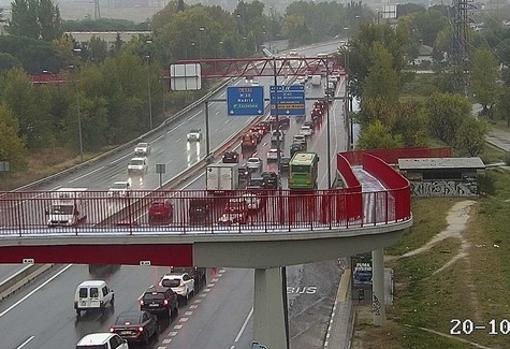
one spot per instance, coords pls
(28, 213)
(391, 156)
(354, 207)
(394, 181)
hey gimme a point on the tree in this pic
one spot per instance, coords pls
(12, 148)
(471, 136)
(97, 49)
(382, 80)
(376, 135)
(30, 107)
(8, 62)
(49, 20)
(24, 19)
(446, 112)
(484, 75)
(180, 5)
(503, 105)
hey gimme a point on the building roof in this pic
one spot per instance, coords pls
(440, 163)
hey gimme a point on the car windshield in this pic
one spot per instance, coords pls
(131, 318)
(136, 162)
(256, 182)
(253, 160)
(142, 145)
(194, 131)
(62, 209)
(170, 282)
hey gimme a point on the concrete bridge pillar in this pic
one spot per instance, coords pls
(270, 322)
(378, 286)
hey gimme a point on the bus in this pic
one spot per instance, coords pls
(303, 169)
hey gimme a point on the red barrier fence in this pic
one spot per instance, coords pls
(391, 156)
(182, 212)
(354, 206)
(397, 184)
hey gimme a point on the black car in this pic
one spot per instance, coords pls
(230, 157)
(255, 183)
(284, 165)
(308, 123)
(296, 147)
(199, 210)
(199, 275)
(270, 180)
(136, 326)
(160, 300)
(243, 174)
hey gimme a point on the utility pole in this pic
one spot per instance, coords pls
(459, 52)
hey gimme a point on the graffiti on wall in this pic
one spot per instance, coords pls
(445, 188)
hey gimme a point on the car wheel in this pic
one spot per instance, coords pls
(185, 301)
(146, 339)
(78, 312)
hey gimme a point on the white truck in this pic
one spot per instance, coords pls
(67, 207)
(220, 177)
(316, 80)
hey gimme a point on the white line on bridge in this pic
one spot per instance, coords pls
(35, 290)
(28, 340)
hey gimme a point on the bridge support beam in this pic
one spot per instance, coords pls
(270, 325)
(378, 286)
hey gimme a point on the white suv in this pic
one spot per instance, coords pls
(142, 149)
(102, 341)
(93, 295)
(119, 189)
(138, 166)
(182, 284)
(194, 135)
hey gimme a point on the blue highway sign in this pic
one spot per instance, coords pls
(291, 100)
(245, 100)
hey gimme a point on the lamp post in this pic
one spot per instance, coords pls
(202, 31)
(148, 57)
(221, 49)
(80, 135)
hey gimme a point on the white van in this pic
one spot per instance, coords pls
(102, 341)
(68, 207)
(316, 80)
(93, 295)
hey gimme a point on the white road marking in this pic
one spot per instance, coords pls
(2, 314)
(183, 319)
(55, 188)
(244, 326)
(210, 285)
(167, 341)
(161, 347)
(202, 295)
(86, 174)
(193, 306)
(188, 313)
(122, 157)
(215, 280)
(207, 290)
(178, 327)
(172, 334)
(28, 340)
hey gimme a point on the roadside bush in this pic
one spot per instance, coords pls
(507, 158)
(486, 184)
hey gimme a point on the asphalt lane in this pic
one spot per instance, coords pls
(7, 270)
(47, 313)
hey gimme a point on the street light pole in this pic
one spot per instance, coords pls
(149, 91)
(328, 126)
(202, 30)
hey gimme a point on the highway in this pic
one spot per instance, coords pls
(43, 313)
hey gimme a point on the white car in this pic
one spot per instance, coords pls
(182, 284)
(301, 80)
(138, 166)
(300, 138)
(306, 130)
(272, 155)
(252, 201)
(254, 164)
(194, 135)
(142, 149)
(103, 341)
(120, 189)
(93, 295)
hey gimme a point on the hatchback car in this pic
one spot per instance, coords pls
(136, 326)
(102, 341)
(161, 301)
(254, 164)
(142, 149)
(194, 135)
(138, 166)
(230, 157)
(182, 284)
(306, 130)
(161, 212)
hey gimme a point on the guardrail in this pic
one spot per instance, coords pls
(352, 185)
(191, 211)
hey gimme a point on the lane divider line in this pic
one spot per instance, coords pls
(28, 295)
(28, 340)
(244, 326)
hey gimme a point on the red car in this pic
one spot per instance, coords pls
(161, 212)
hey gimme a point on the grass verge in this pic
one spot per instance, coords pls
(476, 287)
